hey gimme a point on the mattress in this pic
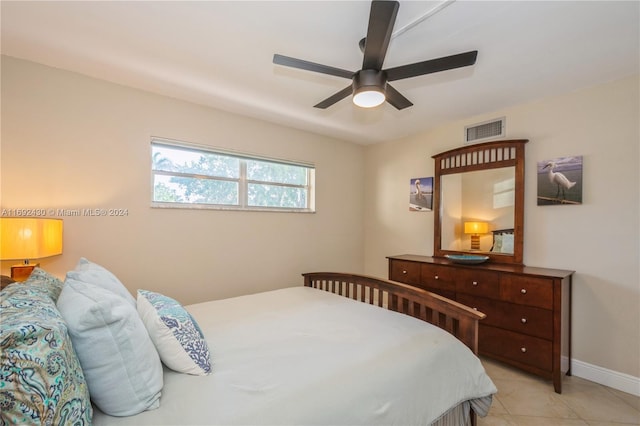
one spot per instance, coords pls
(302, 356)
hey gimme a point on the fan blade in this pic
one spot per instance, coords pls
(381, 20)
(310, 66)
(335, 98)
(396, 99)
(432, 65)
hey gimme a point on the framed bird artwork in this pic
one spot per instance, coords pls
(560, 181)
(421, 194)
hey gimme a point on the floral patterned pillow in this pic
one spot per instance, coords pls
(175, 333)
(41, 381)
(42, 280)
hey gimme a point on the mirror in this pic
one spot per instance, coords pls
(478, 200)
(475, 204)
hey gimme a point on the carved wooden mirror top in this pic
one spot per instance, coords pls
(479, 201)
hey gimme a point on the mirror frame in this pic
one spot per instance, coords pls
(482, 156)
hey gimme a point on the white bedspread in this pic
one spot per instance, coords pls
(301, 356)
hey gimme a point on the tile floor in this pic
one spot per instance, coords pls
(526, 400)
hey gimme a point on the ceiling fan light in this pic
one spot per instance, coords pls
(369, 98)
(369, 88)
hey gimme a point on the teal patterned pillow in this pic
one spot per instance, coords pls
(41, 381)
(43, 280)
(175, 333)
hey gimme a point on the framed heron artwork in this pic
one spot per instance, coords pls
(560, 181)
(421, 194)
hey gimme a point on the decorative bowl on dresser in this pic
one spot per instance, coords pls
(528, 323)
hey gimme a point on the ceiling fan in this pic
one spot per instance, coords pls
(370, 86)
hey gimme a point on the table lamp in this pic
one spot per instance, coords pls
(28, 239)
(475, 229)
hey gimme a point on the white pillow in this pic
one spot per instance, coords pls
(507, 243)
(497, 243)
(175, 333)
(120, 363)
(89, 272)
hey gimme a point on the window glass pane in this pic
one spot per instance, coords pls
(186, 175)
(261, 195)
(178, 189)
(273, 172)
(165, 191)
(195, 162)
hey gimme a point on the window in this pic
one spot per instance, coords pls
(195, 177)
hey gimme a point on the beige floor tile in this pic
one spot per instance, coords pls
(509, 420)
(497, 420)
(632, 400)
(497, 370)
(595, 402)
(527, 400)
(547, 421)
(532, 399)
(496, 407)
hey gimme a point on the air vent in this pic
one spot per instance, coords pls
(481, 132)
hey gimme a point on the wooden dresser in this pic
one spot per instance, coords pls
(528, 323)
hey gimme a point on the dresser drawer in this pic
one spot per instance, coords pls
(528, 309)
(526, 290)
(404, 272)
(521, 319)
(520, 348)
(478, 283)
(435, 276)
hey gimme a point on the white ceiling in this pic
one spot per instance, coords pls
(219, 53)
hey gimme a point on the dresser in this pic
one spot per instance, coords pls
(528, 323)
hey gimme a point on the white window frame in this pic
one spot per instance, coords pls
(242, 180)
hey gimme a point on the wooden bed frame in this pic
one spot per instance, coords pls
(451, 316)
(457, 319)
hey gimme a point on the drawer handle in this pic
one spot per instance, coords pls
(475, 283)
(523, 291)
(523, 349)
(523, 320)
(404, 272)
(437, 277)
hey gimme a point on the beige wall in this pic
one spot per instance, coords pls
(598, 239)
(70, 142)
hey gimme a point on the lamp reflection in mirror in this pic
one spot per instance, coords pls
(29, 239)
(475, 229)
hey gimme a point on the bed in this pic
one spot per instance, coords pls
(342, 349)
(306, 355)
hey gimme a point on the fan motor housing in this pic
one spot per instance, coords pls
(367, 79)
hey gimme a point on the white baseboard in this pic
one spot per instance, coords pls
(613, 379)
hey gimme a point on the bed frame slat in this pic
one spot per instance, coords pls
(457, 319)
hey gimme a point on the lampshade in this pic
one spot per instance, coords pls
(476, 227)
(29, 238)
